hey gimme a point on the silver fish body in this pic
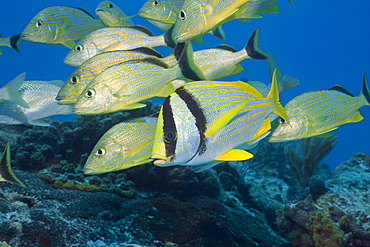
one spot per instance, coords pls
(111, 39)
(40, 97)
(123, 86)
(92, 67)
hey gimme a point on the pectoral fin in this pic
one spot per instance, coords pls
(69, 44)
(234, 155)
(224, 120)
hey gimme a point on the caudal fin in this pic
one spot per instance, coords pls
(12, 90)
(284, 81)
(252, 46)
(14, 42)
(365, 89)
(185, 57)
(6, 172)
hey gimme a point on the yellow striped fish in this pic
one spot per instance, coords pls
(203, 121)
(319, 112)
(218, 62)
(199, 17)
(112, 16)
(123, 86)
(60, 25)
(6, 172)
(111, 39)
(12, 42)
(163, 14)
(89, 69)
(125, 145)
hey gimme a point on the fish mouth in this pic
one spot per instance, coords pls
(160, 160)
(100, 10)
(62, 101)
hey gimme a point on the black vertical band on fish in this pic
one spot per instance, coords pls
(197, 112)
(169, 126)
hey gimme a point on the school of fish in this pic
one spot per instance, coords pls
(204, 120)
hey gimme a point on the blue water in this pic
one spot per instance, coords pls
(322, 43)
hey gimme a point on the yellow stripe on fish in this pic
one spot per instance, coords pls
(111, 39)
(199, 17)
(60, 25)
(125, 145)
(202, 122)
(123, 86)
(319, 112)
(92, 67)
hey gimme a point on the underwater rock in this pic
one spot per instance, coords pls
(339, 217)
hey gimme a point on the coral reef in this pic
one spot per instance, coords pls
(339, 217)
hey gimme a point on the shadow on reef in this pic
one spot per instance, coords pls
(232, 204)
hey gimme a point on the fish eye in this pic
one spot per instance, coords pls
(79, 48)
(169, 136)
(100, 152)
(110, 5)
(156, 2)
(282, 121)
(38, 24)
(182, 15)
(74, 79)
(90, 93)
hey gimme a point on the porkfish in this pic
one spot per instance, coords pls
(112, 16)
(125, 145)
(60, 25)
(199, 17)
(12, 42)
(202, 122)
(112, 39)
(123, 86)
(316, 113)
(6, 172)
(39, 96)
(89, 69)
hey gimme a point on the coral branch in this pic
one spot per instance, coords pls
(304, 158)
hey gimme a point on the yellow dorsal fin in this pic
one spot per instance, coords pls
(225, 119)
(248, 87)
(234, 155)
(274, 94)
